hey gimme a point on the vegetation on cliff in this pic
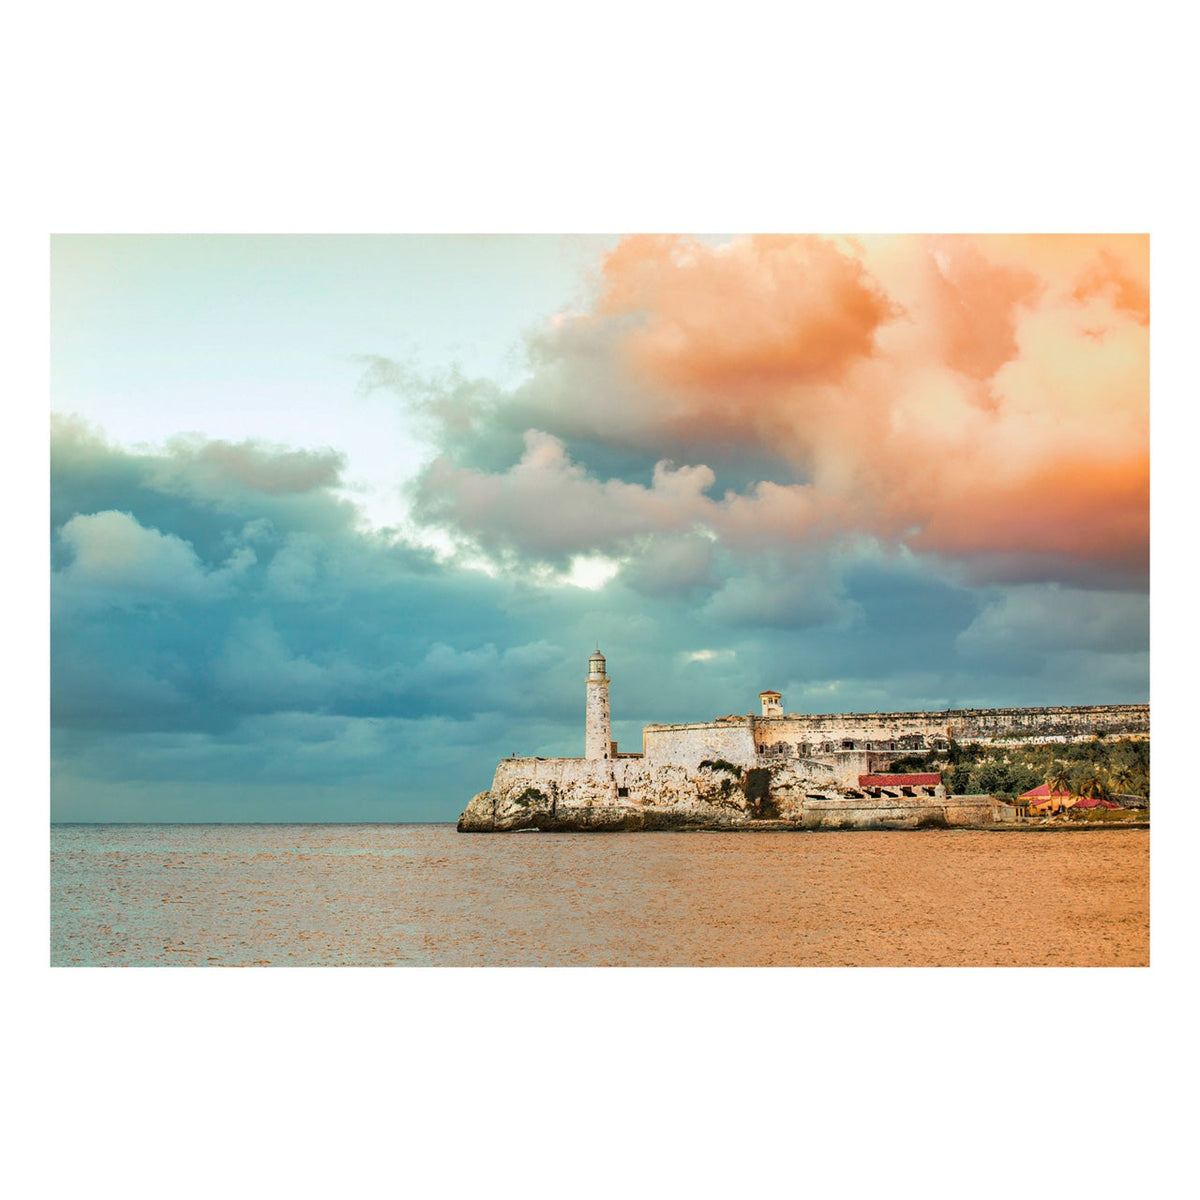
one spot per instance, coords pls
(529, 796)
(719, 764)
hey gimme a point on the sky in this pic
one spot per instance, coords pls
(336, 521)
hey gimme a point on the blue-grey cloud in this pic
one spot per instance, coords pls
(232, 642)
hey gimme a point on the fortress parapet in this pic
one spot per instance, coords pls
(730, 739)
(933, 729)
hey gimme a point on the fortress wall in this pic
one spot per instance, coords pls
(899, 814)
(825, 733)
(850, 764)
(689, 745)
(844, 766)
(646, 782)
(1082, 721)
(570, 784)
(536, 771)
(980, 724)
(589, 778)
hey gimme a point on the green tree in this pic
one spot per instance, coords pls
(1058, 780)
(994, 777)
(1024, 778)
(958, 780)
(1121, 778)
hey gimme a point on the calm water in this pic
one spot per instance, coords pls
(424, 895)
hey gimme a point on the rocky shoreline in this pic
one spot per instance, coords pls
(519, 806)
(528, 808)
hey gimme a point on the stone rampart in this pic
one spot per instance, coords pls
(900, 731)
(690, 745)
(918, 813)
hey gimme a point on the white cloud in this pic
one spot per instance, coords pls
(706, 655)
(591, 571)
(112, 551)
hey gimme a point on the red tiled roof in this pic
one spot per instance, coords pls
(1094, 802)
(1042, 792)
(899, 780)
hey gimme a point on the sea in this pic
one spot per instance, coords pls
(392, 895)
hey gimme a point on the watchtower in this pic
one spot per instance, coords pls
(598, 742)
(772, 704)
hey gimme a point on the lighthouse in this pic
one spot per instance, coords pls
(598, 742)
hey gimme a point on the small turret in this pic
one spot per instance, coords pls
(772, 704)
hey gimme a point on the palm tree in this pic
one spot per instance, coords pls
(1122, 779)
(1092, 786)
(1058, 780)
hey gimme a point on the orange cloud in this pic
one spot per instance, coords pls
(963, 394)
(753, 312)
(981, 398)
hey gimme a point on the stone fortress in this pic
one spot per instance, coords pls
(770, 770)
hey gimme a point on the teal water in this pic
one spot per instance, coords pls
(424, 895)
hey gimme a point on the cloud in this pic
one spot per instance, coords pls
(256, 671)
(295, 568)
(98, 687)
(981, 400)
(1101, 639)
(774, 592)
(215, 467)
(703, 656)
(113, 554)
(1047, 619)
(185, 489)
(547, 507)
(766, 309)
(667, 563)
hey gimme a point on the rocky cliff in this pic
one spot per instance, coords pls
(575, 794)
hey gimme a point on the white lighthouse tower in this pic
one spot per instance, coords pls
(598, 742)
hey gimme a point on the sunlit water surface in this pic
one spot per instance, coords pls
(424, 895)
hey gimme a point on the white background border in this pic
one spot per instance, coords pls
(545, 118)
